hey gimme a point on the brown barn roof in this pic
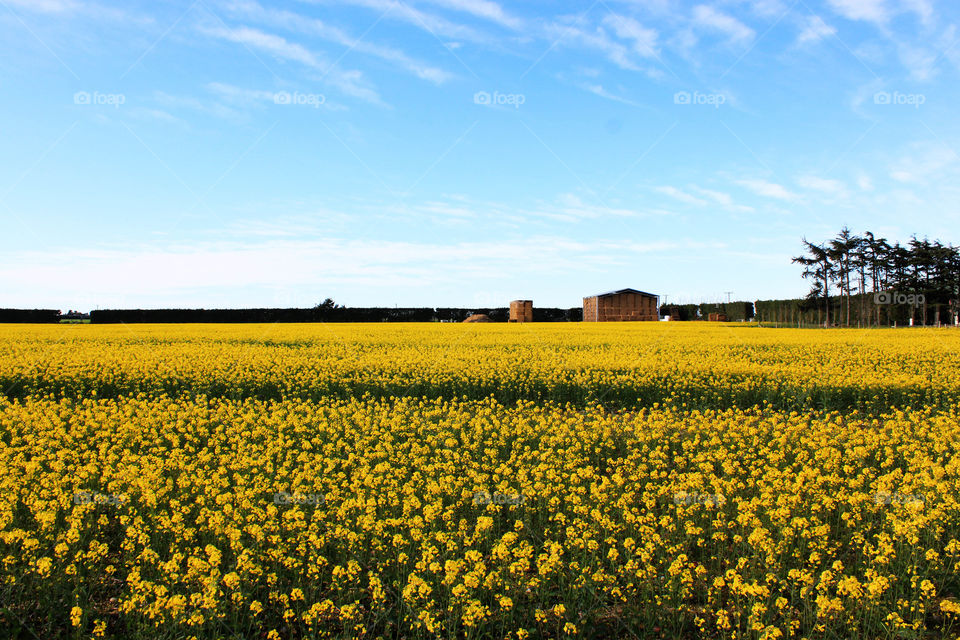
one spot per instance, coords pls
(619, 291)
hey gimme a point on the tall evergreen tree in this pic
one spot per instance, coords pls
(858, 265)
(817, 265)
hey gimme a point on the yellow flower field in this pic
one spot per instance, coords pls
(651, 480)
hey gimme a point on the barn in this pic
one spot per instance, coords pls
(620, 306)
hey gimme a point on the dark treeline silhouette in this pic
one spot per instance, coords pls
(735, 311)
(879, 283)
(550, 314)
(325, 312)
(30, 315)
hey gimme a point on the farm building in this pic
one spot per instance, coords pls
(622, 305)
(521, 311)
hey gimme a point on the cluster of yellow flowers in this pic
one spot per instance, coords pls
(138, 497)
(629, 364)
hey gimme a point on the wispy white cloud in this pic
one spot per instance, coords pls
(868, 10)
(565, 207)
(823, 185)
(236, 94)
(769, 8)
(681, 195)
(311, 26)
(643, 40)
(864, 95)
(574, 208)
(483, 9)
(767, 189)
(708, 18)
(215, 108)
(157, 114)
(350, 82)
(916, 51)
(72, 9)
(45, 6)
(920, 61)
(600, 91)
(276, 45)
(723, 199)
(923, 9)
(814, 30)
(353, 83)
(568, 32)
(404, 12)
(926, 163)
(880, 12)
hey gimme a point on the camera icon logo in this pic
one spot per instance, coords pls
(282, 97)
(481, 97)
(681, 97)
(81, 97)
(883, 297)
(881, 97)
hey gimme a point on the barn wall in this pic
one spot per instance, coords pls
(627, 307)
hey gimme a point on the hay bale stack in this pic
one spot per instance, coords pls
(521, 311)
(478, 317)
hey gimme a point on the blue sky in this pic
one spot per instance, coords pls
(230, 153)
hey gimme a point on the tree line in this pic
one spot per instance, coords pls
(877, 282)
(46, 316)
(326, 311)
(734, 311)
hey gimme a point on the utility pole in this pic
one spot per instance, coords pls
(728, 296)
